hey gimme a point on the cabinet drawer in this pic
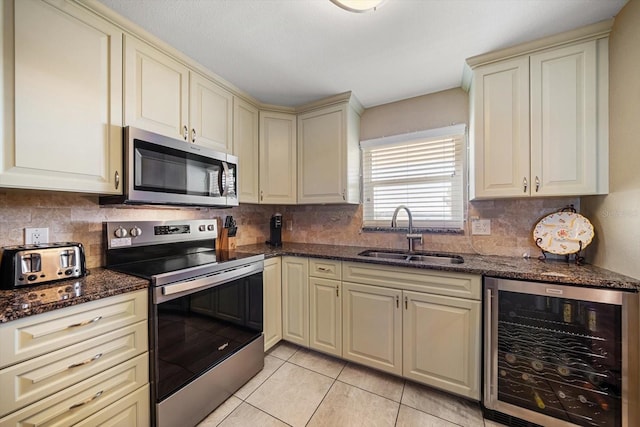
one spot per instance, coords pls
(414, 279)
(81, 400)
(33, 336)
(325, 268)
(132, 410)
(37, 378)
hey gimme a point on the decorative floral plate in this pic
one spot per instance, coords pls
(561, 233)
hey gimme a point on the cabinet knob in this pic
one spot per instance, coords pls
(193, 135)
(537, 184)
(117, 179)
(261, 195)
(185, 133)
(525, 184)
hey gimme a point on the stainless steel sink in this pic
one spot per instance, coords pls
(426, 257)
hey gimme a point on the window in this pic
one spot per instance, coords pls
(423, 171)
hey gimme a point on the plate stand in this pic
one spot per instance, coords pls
(578, 259)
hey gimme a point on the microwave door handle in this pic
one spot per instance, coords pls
(224, 184)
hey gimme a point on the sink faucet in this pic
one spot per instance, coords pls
(410, 235)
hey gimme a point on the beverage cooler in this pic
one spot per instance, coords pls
(560, 355)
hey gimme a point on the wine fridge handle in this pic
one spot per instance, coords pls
(490, 380)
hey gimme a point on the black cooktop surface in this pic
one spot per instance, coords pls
(152, 267)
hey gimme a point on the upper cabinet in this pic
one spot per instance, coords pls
(164, 96)
(329, 153)
(61, 98)
(540, 120)
(245, 147)
(277, 154)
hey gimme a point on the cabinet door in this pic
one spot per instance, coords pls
(156, 90)
(441, 337)
(372, 326)
(499, 164)
(133, 410)
(63, 131)
(322, 159)
(564, 121)
(272, 302)
(295, 300)
(245, 147)
(210, 114)
(277, 158)
(325, 313)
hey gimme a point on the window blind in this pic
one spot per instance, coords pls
(423, 171)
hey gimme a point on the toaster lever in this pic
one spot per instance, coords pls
(31, 263)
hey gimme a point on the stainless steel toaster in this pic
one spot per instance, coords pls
(27, 265)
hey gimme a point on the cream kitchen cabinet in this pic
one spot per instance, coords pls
(423, 325)
(540, 123)
(163, 95)
(295, 300)
(277, 158)
(86, 357)
(441, 341)
(325, 306)
(372, 326)
(329, 153)
(272, 302)
(246, 148)
(61, 98)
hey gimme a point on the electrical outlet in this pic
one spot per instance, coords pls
(36, 236)
(481, 227)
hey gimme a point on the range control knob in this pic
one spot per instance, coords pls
(202, 227)
(120, 232)
(135, 231)
(210, 227)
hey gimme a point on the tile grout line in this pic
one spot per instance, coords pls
(325, 394)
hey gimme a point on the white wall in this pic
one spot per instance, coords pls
(616, 216)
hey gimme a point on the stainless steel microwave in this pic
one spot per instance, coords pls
(164, 171)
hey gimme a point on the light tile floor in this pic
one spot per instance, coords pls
(299, 387)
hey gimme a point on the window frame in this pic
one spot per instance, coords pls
(456, 131)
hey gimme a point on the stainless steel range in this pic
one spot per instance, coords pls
(205, 313)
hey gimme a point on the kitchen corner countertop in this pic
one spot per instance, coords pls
(495, 266)
(100, 283)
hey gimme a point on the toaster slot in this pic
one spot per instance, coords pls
(31, 263)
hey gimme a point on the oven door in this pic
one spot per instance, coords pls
(194, 330)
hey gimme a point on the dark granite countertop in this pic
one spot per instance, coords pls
(486, 265)
(100, 283)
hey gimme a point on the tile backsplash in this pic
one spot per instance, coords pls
(75, 217)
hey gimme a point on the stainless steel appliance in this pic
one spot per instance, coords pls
(26, 265)
(275, 230)
(206, 336)
(560, 355)
(167, 171)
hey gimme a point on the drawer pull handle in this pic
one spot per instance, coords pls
(85, 362)
(323, 269)
(85, 323)
(89, 400)
(223, 346)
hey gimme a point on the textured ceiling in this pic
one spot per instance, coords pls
(289, 52)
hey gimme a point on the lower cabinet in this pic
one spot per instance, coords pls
(420, 324)
(372, 326)
(272, 302)
(70, 365)
(325, 306)
(441, 338)
(295, 300)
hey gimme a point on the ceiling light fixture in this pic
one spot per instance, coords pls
(358, 6)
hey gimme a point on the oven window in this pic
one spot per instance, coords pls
(196, 332)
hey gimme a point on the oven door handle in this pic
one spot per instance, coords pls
(208, 281)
